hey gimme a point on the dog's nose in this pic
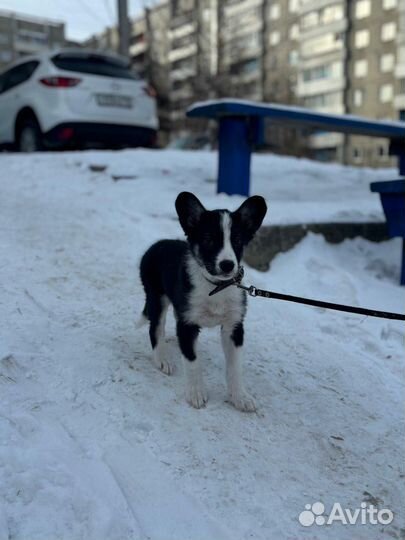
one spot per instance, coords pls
(226, 266)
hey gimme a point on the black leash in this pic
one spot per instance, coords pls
(254, 291)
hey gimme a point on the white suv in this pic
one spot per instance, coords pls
(75, 98)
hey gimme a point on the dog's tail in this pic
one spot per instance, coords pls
(143, 319)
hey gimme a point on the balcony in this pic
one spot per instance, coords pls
(232, 56)
(182, 20)
(321, 45)
(29, 47)
(138, 48)
(182, 31)
(326, 140)
(31, 41)
(181, 93)
(183, 52)
(316, 5)
(240, 8)
(182, 74)
(320, 29)
(320, 86)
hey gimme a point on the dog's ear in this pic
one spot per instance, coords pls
(189, 209)
(251, 214)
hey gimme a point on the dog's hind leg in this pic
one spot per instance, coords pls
(143, 319)
(156, 310)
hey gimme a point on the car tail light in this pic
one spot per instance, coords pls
(150, 91)
(60, 82)
(66, 133)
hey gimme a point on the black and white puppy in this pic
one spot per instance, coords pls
(184, 273)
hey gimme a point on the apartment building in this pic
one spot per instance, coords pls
(399, 100)
(321, 70)
(108, 40)
(156, 60)
(139, 45)
(281, 42)
(148, 52)
(240, 49)
(371, 88)
(281, 39)
(192, 56)
(20, 35)
(347, 57)
(336, 56)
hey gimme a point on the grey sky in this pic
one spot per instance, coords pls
(82, 17)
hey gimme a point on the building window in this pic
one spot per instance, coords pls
(357, 155)
(362, 9)
(358, 97)
(390, 4)
(361, 68)
(293, 5)
(386, 93)
(314, 74)
(293, 57)
(362, 39)
(274, 12)
(310, 19)
(402, 86)
(331, 14)
(387, 62)
(382, 152)
(245, 67)
(294, 32)
(388, 31)
(323, 100)
(274, 38)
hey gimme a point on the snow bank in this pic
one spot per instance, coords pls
(96, 444)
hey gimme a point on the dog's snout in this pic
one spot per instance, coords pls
(227, 266)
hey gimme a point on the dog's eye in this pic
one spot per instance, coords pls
(237, 241)
(208, 241)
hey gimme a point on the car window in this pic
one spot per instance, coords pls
(94, 64)
(17, 75)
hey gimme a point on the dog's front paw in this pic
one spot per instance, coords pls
(162, 364)
(196, 396)
(243, 402)
(165, 367)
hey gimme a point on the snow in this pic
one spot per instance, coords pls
(97, 444)
(388, 125)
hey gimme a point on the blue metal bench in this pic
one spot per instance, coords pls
(393, 201)
(240, 127)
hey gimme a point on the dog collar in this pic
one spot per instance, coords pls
(224, 284)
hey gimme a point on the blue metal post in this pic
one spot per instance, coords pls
(234, 156)
(401, 164)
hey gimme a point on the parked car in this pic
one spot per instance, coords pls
(75, 98)
(191, 142)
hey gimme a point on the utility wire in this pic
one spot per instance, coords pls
(109, 12)
(90, 11)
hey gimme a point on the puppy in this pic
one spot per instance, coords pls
(184, 273)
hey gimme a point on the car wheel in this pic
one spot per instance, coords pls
(30, 137)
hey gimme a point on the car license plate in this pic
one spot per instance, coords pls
(113, 100)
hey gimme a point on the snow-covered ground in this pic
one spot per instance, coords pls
(96, 444)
